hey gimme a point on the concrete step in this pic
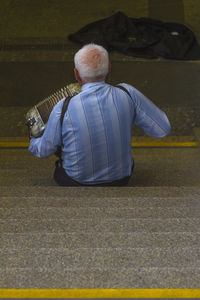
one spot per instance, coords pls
(147, 225)
(18, 92)
(99, 192)
(183, 119)
(140, 237)
(148, 76)
(153, 167)
(99, 213)
(101, 258)
(116, 278)
(95, 202)
(122, 240)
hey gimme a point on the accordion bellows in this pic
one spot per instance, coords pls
(37, 117)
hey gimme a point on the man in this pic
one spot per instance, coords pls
(96, 129)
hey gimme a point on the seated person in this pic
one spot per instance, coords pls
(95, 136)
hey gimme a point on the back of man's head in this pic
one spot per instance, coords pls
(92, 62)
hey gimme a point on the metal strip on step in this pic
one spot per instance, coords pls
(136, 142)
(99, 293)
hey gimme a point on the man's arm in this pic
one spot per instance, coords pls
(152, 120)
(47, 144)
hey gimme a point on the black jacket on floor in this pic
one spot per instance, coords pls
(142, 37)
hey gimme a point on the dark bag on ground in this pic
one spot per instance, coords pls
(142, 37)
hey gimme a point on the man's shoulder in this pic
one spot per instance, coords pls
(125, 85)
(128, 87)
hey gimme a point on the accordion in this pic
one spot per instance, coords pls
(38, 115)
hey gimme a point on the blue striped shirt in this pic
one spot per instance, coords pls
(96, 131)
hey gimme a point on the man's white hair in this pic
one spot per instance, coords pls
(92, 61)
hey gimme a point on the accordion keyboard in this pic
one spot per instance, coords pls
(37, 117)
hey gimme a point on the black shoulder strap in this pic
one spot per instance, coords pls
(64, 109)
(124, 89)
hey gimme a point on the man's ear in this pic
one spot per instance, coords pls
(109, 67)
(77, 76)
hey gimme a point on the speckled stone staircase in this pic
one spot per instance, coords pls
(56, 237)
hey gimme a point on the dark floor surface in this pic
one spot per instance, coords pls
(28, 75)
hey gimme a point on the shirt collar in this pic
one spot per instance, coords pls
(92, 84)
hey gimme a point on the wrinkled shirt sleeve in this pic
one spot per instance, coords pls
(152, 120)
(47, 144)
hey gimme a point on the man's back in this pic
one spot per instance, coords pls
(97, 134)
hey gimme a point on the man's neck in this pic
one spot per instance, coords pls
(90, 81)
